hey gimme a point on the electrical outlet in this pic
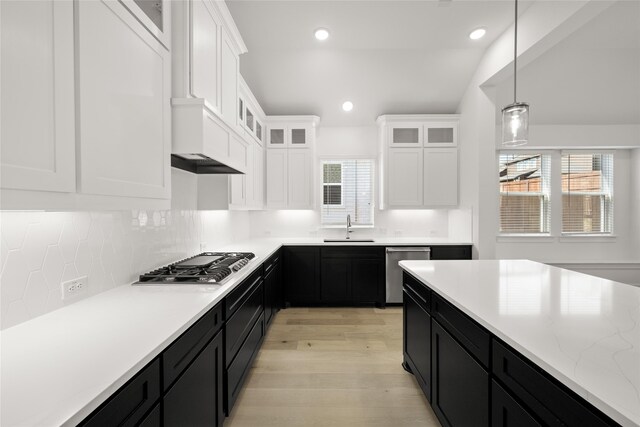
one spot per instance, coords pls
(75, 287)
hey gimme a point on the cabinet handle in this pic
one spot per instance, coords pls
(391, 250)
(416, 294)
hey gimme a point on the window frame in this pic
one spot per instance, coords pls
(555, 197)
(340, 159)
(547, 216)
(324, 184)
(611, 194)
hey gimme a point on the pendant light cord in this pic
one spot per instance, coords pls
(515, 54)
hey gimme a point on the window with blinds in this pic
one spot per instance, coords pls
(587, 190)
(347, 189)
(524, 193)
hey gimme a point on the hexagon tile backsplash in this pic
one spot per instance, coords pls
(40, 250)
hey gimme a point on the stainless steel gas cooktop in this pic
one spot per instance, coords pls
(206, 268)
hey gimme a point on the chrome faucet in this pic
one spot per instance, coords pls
(349, 230)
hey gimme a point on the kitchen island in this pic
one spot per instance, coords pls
(535, 335)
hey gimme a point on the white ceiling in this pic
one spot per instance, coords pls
(385, 56)
(591, 77)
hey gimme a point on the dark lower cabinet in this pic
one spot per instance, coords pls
(238, 368)
(272, 286)
(196, 398)
(129, 405)
(335, 280)
(153, 418)
(302, 275)
(507, 412)
(352, 275)
(417, 342)
(451, 252)
(367, 280)
(460, 385)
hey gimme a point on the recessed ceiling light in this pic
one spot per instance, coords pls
(322, 34)
(347, 106)
(478, 33)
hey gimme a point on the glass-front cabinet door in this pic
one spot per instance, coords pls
(155, 15)
(441, 134)
(406, 135)
(276, 137)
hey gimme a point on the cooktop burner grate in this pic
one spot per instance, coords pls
(208, 267)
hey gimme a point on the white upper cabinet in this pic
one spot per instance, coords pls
(204, 39)
(206, 46)
(37, 91)
(123, 104)
(404, 170)
(300, 179)
(230, 66)
(290, 162)
(155, 16)
(276, 179)
(441, 177)
(418, 171)
(250, 115)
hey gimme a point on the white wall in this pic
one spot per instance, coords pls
(42, 249)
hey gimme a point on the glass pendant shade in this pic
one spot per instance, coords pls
(515, 124)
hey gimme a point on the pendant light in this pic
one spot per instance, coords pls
(515, 117)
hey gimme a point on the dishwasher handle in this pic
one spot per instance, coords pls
(390, 250)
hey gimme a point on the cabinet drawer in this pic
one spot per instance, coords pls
(236, 297)
(352, 252)
(417, 290)
(450, 252)
(507, 412)
(552, 402)
(180, 354)
(239, 326)
(471, 335)
(271, 262)
(129, 404)
(237, 371)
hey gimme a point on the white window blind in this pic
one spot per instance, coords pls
(347, 189)
(524, 181)
(587, 190)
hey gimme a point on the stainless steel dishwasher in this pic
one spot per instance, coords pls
(394, 272)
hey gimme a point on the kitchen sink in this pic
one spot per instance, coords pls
(348, 240)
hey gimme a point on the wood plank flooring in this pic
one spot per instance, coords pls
(332, 367)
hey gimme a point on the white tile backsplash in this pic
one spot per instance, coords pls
(40, 250)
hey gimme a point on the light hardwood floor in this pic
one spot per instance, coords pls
(332, 367)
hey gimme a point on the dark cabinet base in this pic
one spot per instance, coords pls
(460, 385)
(196, 399)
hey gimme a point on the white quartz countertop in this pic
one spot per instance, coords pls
(581, 329)
(57, 368)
